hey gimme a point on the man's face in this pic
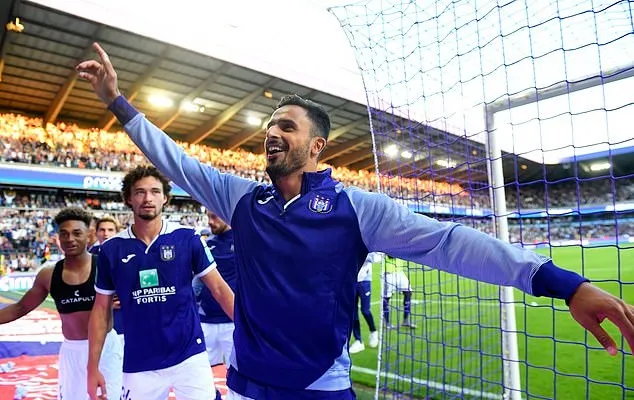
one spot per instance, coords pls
(216, 224)
(73, 237)
(106, 230)
(147, 198)
(288, 141)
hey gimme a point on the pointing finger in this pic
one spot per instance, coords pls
(104, 58)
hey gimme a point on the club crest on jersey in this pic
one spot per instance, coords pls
(167, 253)
(320, 204)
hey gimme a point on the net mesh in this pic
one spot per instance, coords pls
(551, 82)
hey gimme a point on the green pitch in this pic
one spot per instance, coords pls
(458, 341)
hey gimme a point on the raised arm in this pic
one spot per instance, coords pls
(393, 229)
(217, 191)
(31, 299)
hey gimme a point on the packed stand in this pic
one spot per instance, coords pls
(24, 140)
(562, 229)
(570, 193)
(25, 238)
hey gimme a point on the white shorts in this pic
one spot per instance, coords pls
(396, 281)
(73, 359)
(218, 342)
(192, 379)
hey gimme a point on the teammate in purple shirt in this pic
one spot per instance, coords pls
(150, 266)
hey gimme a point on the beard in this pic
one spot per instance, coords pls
(293, 161)
(148, 215)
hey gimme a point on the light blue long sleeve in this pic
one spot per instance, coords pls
(389, 227)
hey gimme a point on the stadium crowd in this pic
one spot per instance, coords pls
(600, 226)
(24, 140)
(602, 190)
(27, 231)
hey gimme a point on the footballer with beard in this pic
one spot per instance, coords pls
(300, 242)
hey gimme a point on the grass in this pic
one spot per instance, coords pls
(458, 340)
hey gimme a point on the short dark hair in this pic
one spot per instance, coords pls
(138, 173)
(315, 112)
(73, 214)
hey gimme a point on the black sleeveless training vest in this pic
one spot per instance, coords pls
(73, 298)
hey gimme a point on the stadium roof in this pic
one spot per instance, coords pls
(38, 78)
(228, 102)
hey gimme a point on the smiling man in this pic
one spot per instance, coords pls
(300, 242)
(71, 283)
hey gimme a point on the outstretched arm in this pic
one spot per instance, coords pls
(393, 229)
(31, 299)
(217, 191)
